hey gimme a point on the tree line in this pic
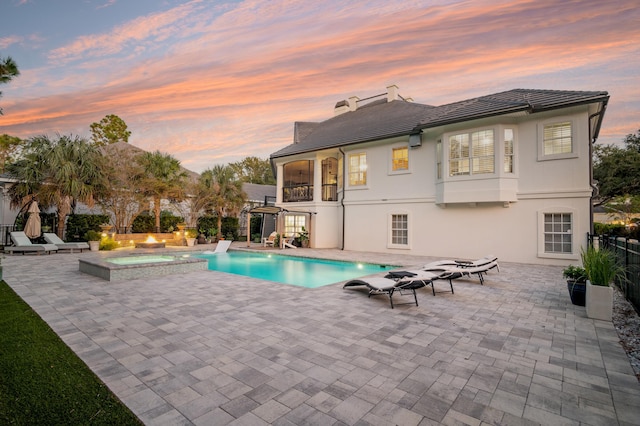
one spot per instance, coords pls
(123, 180)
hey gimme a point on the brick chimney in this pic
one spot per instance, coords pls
(392, 93)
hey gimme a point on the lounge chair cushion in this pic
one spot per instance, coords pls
(61, 245)
(24, 245)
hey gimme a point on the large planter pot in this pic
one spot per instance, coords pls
(577, 292)
(599, 302)
(94, 245)
(191, 242)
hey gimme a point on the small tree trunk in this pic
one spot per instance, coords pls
(156, 210)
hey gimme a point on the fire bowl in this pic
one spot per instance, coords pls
(148, 245)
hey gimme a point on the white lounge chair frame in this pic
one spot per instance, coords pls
(61, 245)
(22, 244)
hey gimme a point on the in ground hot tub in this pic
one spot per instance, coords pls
(140, 266)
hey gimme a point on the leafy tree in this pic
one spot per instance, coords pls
(58, 173)
(254, 170)
(121, 196)
(623, 207)
(110, 129)
(9, 146)
(223, 191)
(162, 178)
(616, 169)
(8, 70)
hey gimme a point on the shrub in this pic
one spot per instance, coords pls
(79, 224)
(575, 273)
(108, 244)
(92, 235)
(601, 266)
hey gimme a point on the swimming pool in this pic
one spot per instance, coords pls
(299, 271)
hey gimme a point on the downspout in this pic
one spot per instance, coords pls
(592, 140)
(344, 166)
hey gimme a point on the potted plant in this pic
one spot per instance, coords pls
(94, 238)
(602, 268)
(190, 235)
(576, 283)
(202, 239)
(304, 238)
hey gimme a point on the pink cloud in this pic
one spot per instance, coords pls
(232, 82)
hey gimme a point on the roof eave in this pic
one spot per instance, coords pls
(437, 123)
(341, 144)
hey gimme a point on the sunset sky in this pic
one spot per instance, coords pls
(212, 82)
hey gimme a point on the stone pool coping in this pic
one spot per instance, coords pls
(109, 271)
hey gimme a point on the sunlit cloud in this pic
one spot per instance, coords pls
(216, 84)
(153, 28)
(5, 42)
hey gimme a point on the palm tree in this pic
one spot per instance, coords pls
(8, 70)
(57, 173)
(222, 191)
(162, 178)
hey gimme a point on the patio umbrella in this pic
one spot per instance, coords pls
(32, 227)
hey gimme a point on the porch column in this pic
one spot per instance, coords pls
(279, 183)
(317, 180)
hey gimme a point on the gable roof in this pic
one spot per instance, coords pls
(381, 119)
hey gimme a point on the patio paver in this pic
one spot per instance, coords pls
(214, 348)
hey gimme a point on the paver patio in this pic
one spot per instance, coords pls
(210, 348)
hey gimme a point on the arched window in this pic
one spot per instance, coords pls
(298, 181)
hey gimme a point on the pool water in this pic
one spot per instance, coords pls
(299, 271)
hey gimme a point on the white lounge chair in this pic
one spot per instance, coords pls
(22, 244)
(288, 242)
(483, 261)
(269, 240)
(478, 267)
(222, 246)
(61, 245)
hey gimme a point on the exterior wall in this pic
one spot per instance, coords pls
(463, 216)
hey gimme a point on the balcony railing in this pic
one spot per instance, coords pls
(330, 192)
(293, 194)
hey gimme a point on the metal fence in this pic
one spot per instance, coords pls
(5, 238)
(628, 252)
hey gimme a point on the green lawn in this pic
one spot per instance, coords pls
(42, 381)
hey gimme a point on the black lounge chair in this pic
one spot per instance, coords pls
(404, 281)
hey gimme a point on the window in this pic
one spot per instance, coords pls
(357, 169)
(557, 138)
(459, 155)
(330, 179)
(400, 159)
(293, 224)
(400, 229)
(508, 150)
(483, 159)
(471, 153)
(557, 233)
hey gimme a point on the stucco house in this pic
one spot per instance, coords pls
(507, 174)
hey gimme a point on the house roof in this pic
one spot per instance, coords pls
(381, 119)
(257, 192)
